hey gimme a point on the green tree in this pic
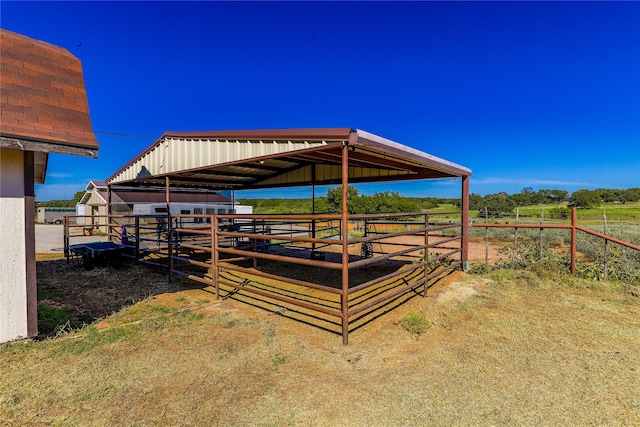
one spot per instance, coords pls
(559, 196)
(630, 195)
(541, 197)
(389, 202)
(496, 205)
(584, 199)
(475, 201)
(77, 197)
(521, 199)
(334, 198)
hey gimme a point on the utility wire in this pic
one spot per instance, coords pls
(124, 135)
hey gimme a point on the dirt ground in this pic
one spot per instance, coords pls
(507, 350)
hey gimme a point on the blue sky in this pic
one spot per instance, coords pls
(542, 95)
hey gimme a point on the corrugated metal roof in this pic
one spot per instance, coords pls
(278, 158)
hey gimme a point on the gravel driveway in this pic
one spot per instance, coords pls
(49, 238)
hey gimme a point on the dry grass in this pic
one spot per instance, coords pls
(508, 349)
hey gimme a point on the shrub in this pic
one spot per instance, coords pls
(415, 323)
(559, 213)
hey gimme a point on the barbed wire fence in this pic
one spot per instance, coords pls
(602, 249)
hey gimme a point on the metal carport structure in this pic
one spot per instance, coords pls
(256, 159)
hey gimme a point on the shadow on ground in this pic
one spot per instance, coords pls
(70, 297)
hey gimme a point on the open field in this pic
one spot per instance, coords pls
(627, 212)
(503, 349)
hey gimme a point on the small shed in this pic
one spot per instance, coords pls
(43, 109)
(92, 207)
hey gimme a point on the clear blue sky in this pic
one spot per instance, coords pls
(542, 95)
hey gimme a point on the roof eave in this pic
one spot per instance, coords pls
(25, 144)
(368, 139)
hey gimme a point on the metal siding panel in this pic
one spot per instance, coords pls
(94, 199)
(175, 154)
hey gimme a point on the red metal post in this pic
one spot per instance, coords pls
(426, 253)
(168, 201)
(574, 223)
(214, 255)
(108, 212)
(464, 206)
(137, 248)
(313, 205)
(345, 245)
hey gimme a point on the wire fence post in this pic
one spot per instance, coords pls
(515, 240)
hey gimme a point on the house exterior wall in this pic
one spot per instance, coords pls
(43, 109)
(95, 199)
(18, 303)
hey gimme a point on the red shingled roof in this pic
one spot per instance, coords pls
(42, 93)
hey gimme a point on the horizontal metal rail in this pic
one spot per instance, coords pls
(377, 235)
(208, 282)
(402, 214)
(189, 261)
(609, 238)
(386, 277)
(195, 247)
(281, 258)
(443, 241)
(565, 226)
(373, 260)
(251, 236)
(444, 255)
(232, 267)
(287, 300)
(403, 288)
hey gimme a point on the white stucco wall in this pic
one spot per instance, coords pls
(13, 247)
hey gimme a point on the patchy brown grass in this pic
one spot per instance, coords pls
(508, 349)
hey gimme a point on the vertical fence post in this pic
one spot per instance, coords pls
(137, 225)
(214, 255)
(65, 238)
(464, 207)
(167, 196)
(541, 232)
(486, 239)
(574, 243)
(515, 240)
(169, 245)
(344, 218)
(255, 243)
(426, 253)
(606, 246)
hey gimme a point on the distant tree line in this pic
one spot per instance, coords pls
(384, 202)
(503, 204)
(62, 203)
(494, 205)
